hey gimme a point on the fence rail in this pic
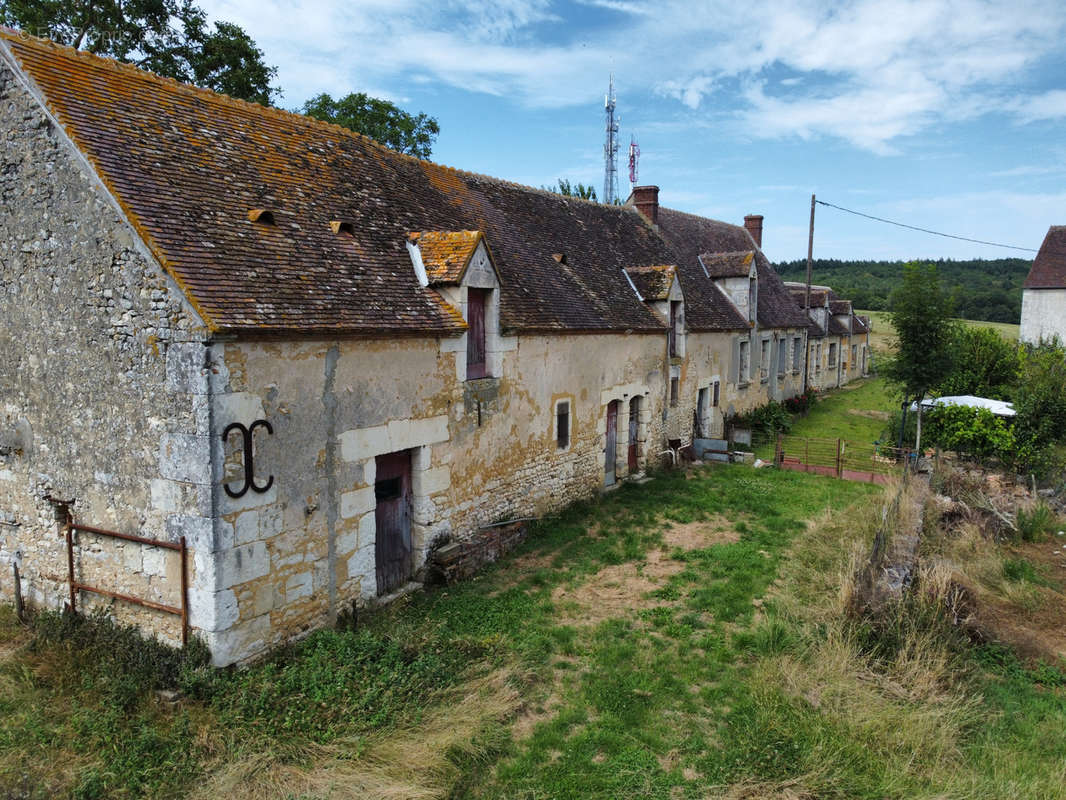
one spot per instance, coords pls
(179, 547)
(840, 458)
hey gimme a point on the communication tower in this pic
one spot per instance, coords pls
(610, 149)
(634, 161)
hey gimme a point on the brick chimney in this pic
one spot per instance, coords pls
(753, 222)
(646, 199)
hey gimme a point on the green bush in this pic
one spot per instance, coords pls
(1034, 523)
(767, 420)
(973, 431)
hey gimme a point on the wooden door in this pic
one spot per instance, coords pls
(634, 432)
(392, 545)
(475, 341)
(612, 442)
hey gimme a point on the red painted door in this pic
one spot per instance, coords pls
(634, 432)
(612, 442)
(392, 545)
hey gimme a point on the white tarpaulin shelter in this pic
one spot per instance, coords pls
(997, 407)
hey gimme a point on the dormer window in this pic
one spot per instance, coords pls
(342, 228)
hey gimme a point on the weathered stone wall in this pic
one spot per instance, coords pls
(482, 451)
(1043, 315)
(89, 328)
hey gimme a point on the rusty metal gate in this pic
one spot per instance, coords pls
(77, 586)
(840, 458)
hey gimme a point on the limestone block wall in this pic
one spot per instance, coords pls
(93, 336)
(289, 558)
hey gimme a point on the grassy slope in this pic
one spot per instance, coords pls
(882, 336)
(678, 639)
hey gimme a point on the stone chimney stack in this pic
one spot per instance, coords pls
(646, 199)
(753, 222)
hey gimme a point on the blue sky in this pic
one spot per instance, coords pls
(947, 114)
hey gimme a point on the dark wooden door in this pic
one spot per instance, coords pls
(612, 442)
(475, 342)
(392, 545)
(634, 432)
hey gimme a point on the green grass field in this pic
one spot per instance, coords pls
(883, 335)
(680, 639)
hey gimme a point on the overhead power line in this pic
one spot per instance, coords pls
(925, 230)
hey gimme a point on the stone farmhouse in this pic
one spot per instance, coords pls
(313, 360)
(838, 338)
(1044, 291)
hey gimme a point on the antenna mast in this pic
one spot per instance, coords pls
(610, 150)
(634, 160)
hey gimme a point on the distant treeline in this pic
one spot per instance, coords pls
(986, 290)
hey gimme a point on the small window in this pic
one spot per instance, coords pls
(854, 354)
(797, 353)
(715, 397)
(475, 342)
(744, 362)
(782, 356)
(764, 359)
(562, 425)
(675, 389)
(388, 489)
(832, 354)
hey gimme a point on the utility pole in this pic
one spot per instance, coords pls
(810, 254)
(807, 300)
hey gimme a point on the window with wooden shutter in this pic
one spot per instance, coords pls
(476, 300)
(675, 319)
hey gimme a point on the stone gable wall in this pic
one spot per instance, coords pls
(92, 336)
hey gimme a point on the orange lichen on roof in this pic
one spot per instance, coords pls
(653, 282)
(185, 164)
(446, 254)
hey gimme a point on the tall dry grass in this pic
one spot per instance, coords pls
(421, 762)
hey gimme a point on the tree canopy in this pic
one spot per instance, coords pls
(985, 289)
(564, 187)
(171, 38)
(381, 120)
(922, 317)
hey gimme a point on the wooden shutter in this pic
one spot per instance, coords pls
(475, 335)
(734, 366)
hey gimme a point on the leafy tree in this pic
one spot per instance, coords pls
(564, 187)
(1040, 407)
(168, 37)
(986, 289)
(983, 364)
(922, 317)
(381, 120)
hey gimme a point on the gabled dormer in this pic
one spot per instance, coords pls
(842, 314)
(659, 287)
(459, 265)
(736, 274)
(819, 299)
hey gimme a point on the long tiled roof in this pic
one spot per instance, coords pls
(1049, 266)
(187, 165)
(690, 236)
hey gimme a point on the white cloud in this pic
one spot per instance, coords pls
(870, 72)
